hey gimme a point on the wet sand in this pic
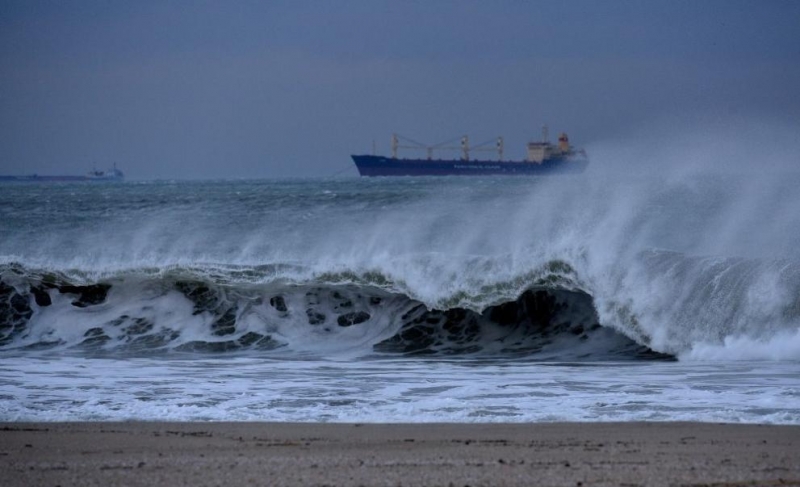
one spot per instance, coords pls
(232, 454)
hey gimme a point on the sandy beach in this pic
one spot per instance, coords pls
(575, 454)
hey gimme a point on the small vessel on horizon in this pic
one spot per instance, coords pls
(95, 174)
(112, 174)
(543, 158)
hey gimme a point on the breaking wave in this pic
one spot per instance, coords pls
(705, 310)
(226, 308)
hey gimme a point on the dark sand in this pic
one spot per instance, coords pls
(232, 454)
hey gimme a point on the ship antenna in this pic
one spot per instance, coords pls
(544, 133)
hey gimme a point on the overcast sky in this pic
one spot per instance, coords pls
(235, 89)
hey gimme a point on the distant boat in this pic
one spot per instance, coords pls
(543, 158)
(112, 174)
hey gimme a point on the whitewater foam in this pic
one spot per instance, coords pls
(239, 388)
(784, 346)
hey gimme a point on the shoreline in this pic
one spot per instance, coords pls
(542, 454)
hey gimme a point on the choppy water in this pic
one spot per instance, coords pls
(409, 299)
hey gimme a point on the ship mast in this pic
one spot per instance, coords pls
(500, 148)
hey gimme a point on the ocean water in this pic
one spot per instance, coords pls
(583, 298)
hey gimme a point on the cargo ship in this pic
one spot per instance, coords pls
(112, 174)
(543, 158)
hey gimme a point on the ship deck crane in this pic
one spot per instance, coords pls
(401, 142)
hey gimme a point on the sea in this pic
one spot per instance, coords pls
(636, 296)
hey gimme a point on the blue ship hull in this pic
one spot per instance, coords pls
(386, 166)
